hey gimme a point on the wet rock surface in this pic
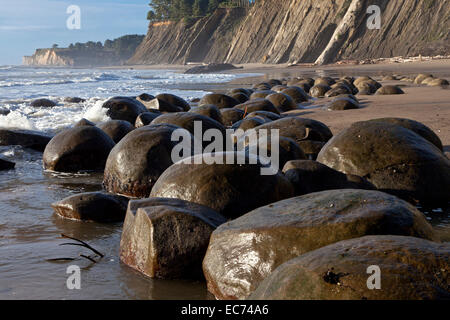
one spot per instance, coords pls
(244, 251)
(230, 189)
(219, 100)
(167, 238)
(309, 176)
(146, 118)
(137, 161)
(77, 149)
(26, 138)
(392, 158)
(116, 129)
(6, 164)
(411, 269)
(92, 206)
(46, 103)
(124, 108)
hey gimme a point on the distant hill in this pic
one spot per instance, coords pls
(89, 54)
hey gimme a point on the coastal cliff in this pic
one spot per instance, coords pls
(71, 58)
(301, 31)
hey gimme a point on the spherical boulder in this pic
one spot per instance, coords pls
(187, 120)
(393, 158)
(261, 94)
(146, 118)
(219, 100)
(409, 268)
(438, 82)
(26, 138)
(241, 97)
(84, 122)
(421, 77)
(244, 251)
(248, 123)
(265, 114)
(230, 189)
(343, 104)
(116, 129)
(83, 148)
(137, 161)
(231, 116)
(282, 102)
(296, 93)
(208, 110)
(416, 126)
(174, 100)
(47, 103)
(6, 164)
(299, 129)
(92, 206)
(385, 90)
(257, 105)
(311, 148)
(124, 108)
(309, 176)
(319, 90)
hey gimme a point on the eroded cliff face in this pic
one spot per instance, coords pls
(275, 31)
(72, 58)
(47, 57)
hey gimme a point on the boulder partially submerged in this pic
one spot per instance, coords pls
(26, 138)
(167, 238)
(92, 206)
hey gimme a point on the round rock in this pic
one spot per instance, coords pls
(244, 251)
(116, 129)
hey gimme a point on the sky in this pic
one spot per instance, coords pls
(26, 25)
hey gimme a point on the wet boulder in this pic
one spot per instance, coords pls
(296, 93)
(393, 158)
(245, 91)
(326, 81)
(299, 129)
(208, 110)
(46, 103)
(311, 148)
(278, 88)
(124, 108)
(309, 176)
(366, 89)
(167, 238)
(340, 104)
(230, 189)
(84, 122)
(265, 114)
(249, 123)
(244, 251)
(137, 161)
(6, 164)
(287, 150)
(438, 82)
(231, 116)
(282, 102)
(411, 269)
(25, 138)
(221, 101)
(421, 77)
(146, 118)
(74, 100)
(261, 94)
(338, 90)
(162, 105)
(4, 112)
(116, 129)
(145, 97)
(385, 90)
(319, 90)
(174, 100)
(419, 128)
(83, 148)
(92, 206)
(257, 105)
(241, 97)
(187, 120)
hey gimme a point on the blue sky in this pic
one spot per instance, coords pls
(29, 24)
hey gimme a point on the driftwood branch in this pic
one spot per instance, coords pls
(82, 244)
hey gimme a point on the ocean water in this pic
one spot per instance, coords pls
(20, 85)
(29, 229)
